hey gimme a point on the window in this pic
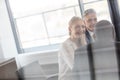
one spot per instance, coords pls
(42, 24)
(102, 13)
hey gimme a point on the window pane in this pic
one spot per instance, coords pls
(58, 39)
(77, 11)
(41, 23)
(27, 7)
(57, 21)
(57, 24)
(32, 31)
(102, 11)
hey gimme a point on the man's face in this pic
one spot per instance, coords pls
(90, 21)
(77, 29)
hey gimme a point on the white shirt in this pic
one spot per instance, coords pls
(92, 34)
(66, 59)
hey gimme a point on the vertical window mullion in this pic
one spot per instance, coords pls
(75, 10)
(21, 50)
(115, 16)
(46, 27)
(81, 6)
(13, 27)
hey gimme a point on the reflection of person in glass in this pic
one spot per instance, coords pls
(105, 32)
(90, 20)
(66, 53)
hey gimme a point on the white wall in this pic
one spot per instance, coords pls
(6, 34)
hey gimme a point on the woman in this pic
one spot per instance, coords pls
(66, 54)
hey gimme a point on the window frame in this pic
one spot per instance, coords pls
(20, 49)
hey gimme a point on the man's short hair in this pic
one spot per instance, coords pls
(88, 11)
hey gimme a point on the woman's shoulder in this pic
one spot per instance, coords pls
(66, 42)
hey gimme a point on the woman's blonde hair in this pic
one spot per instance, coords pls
(73, 20)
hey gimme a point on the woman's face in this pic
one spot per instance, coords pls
(77, 29)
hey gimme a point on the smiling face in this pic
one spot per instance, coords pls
(90, 21)
(77, 29)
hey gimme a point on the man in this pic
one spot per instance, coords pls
(90, 20)
(66, 53)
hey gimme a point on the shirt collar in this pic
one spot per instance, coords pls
(91, 33)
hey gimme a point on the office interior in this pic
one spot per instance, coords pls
(27, 55)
